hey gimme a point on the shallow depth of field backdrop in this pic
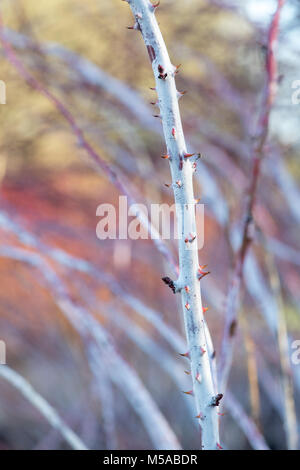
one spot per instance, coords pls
(50, 192)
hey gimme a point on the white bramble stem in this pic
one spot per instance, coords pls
(182, 169)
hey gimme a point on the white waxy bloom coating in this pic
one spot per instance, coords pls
(182, 171)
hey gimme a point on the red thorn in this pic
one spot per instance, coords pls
(197, 200)
(155, 5)
(187, 289)
(187, 372)
(186, 240)
(219, 446)
(130, 27)
(203, 351)
(165, 157)
(167, 185)
(203, 266)
(174, 132)
(187, 354)
(187, 306)
(201, 271)
(205, 309)
(153, 89)
(183, 92)
(200, 416)
(221, 414)
(199, 378)
(179, 183)
(188, 155)
(190, 392)
(203, 275)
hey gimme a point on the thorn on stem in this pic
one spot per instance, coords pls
(180, 94)
(203, 275)
(155, 5)
(201, 272)
(202, 267)
(199, 378)
(188, 155)
(190, 392)
(187, 355)
(177, 67)
(135, 27)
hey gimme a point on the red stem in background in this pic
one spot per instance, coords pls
(231, 312)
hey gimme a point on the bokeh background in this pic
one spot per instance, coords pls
(83, 53)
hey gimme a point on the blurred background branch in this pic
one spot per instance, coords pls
(50, 193)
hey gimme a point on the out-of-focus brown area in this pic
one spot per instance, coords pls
(50, 192)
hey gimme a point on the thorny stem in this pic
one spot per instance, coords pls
(135, 333)
(182, 170)
(231, 312)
